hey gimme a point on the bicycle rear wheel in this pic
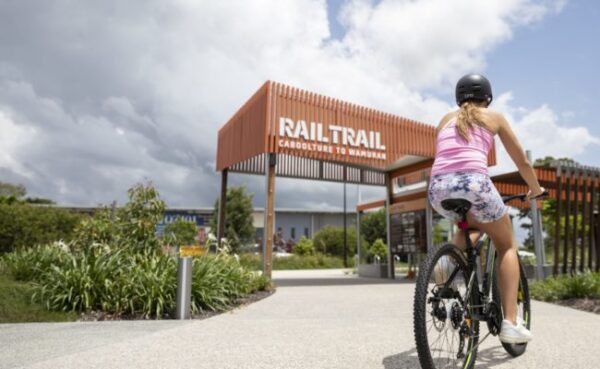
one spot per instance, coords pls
(445, 335)
(523, 308)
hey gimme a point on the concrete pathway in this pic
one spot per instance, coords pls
(316, 319)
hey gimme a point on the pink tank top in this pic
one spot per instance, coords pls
(455, 154)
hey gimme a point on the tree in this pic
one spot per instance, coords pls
(12, 190)
(11, 194)
(239, 229)
(379, 248)
(138, 218)
(547, 160)
(24, 226)
(438, 234)
(304, 247)
(373, 226)
(330, 240)
(181, 232)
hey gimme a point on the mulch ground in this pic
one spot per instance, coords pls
(591, 305)
(95, 316)
(256, 296)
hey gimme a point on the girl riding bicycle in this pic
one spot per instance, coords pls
(464, 138)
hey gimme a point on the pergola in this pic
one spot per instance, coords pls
(576, 233)
(288, 132)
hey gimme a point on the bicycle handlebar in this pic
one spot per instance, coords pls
(523, 197)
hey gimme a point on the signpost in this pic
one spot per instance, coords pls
(184, 280)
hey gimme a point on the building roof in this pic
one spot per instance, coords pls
(321, 138)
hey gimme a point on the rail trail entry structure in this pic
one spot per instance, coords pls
(289, 132)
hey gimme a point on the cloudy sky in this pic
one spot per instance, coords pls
(96, 96)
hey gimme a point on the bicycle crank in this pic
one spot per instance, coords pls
(494, 318)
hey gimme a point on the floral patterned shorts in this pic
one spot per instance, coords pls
(487, 205)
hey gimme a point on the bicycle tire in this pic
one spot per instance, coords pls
(515, 349)
(420, 313)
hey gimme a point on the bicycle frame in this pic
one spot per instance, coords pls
(482, 296)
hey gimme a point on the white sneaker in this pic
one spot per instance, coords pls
(510, 333)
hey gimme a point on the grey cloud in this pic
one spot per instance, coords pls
(103, 94)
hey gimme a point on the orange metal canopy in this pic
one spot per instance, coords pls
(306, 130)
(552, 177)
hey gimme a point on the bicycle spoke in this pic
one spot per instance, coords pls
(478, 343)
(441, 347)
(452, 351)
(445, 296)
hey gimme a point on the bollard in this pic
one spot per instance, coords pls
(184, 288)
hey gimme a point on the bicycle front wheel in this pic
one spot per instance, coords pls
(445, 334)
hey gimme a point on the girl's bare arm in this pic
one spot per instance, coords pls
(517, 154)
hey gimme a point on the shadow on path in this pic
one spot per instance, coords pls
(349, 280)
(487, 358)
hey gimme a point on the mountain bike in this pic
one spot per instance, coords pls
(450, 302)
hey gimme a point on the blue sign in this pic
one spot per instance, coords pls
(173, 215)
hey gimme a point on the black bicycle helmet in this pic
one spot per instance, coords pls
(473, 87)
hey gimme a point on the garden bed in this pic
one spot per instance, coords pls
(96, 316)
(585, 304)
(580, 291)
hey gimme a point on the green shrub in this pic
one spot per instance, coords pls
(379, 248)
(304, 246)
(251, 261)
(99, 229)
(238, 228)
(219, 280)
(317, 261)
(373, 225)
(137, 219)
(330, 241)
(114, 282)
(29, 264)
(181, 232)
(24, 226)
(585, 285)
(115, 264)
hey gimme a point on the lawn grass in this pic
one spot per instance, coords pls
(16, 305)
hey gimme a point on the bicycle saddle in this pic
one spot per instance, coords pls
(459, 206)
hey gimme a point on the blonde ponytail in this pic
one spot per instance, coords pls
(468, 115)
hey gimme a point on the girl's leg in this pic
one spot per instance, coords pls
(459, 238)
(501, 233)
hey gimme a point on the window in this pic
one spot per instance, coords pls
(293, 233)
(306, 232)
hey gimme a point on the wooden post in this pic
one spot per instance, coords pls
(592, 247)
(557, 225)
(597, 235)
(345, 222)
(584, 222)
(575, 230)
(567, 221)
(222, 207)
(358, 214)
(389, 192)
(271, 162)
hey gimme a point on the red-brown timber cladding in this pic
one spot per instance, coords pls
(253, 129)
